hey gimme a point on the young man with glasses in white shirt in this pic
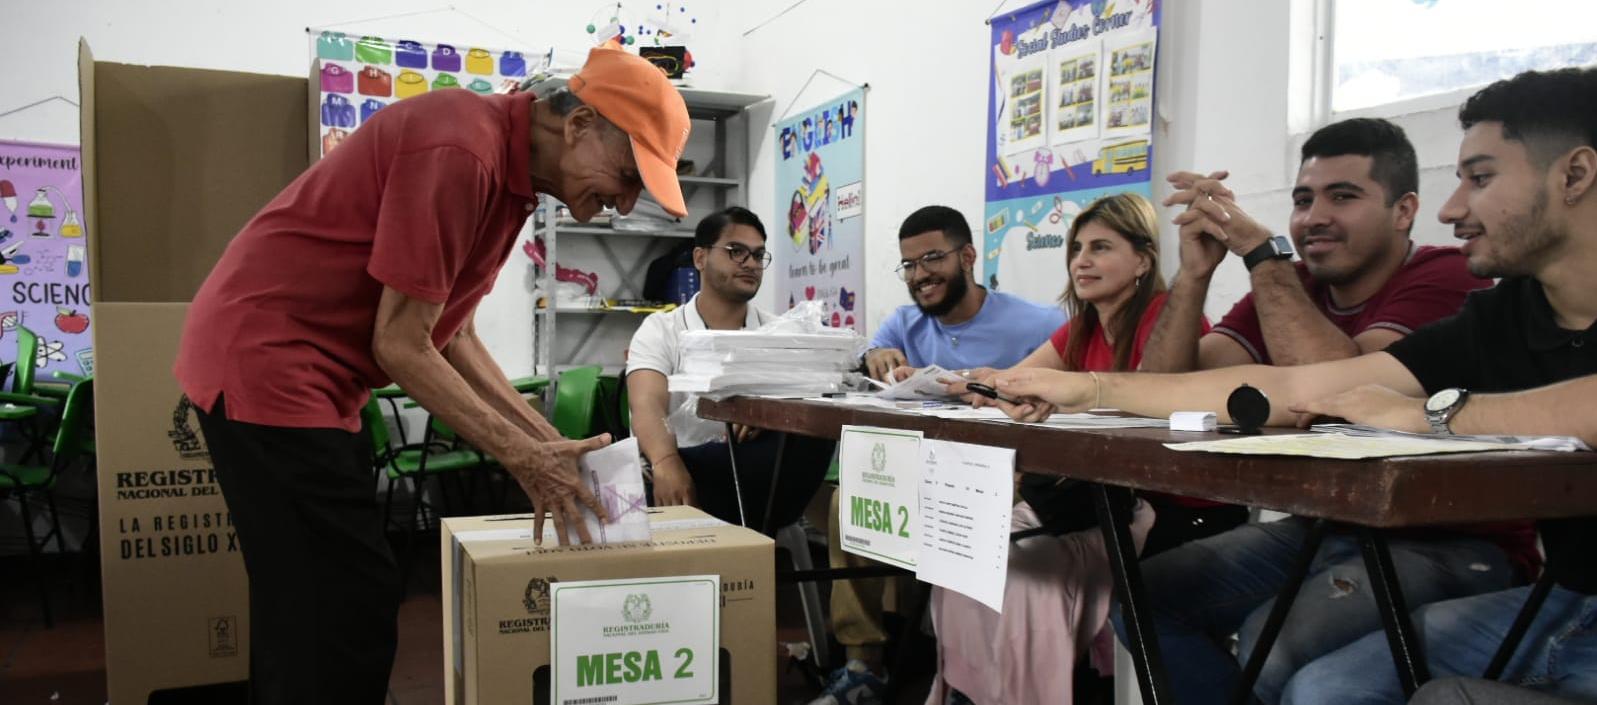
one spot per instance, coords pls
(689, 456)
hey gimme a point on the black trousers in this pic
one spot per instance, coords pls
(803, 468)
(324, 587)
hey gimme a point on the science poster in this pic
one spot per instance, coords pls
(1070, 119)
(44, 264)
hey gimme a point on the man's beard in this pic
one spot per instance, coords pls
(727, 288)
(1521, 242)
(957, 288)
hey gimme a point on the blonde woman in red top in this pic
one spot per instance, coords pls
(1057, 597)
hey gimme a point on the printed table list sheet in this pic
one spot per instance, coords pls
(967, 493)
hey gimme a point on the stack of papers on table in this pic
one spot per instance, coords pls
(728, 362)
(924, 385)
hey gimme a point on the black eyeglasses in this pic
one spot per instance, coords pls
(906, 268)
(740, 255)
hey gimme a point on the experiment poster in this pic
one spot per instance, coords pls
(1070, 116)
(44, 265)
(360, 75)
(820, 176)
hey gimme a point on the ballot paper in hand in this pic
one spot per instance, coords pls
(614, 474)
(924, 385)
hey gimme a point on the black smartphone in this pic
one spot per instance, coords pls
(989, 392)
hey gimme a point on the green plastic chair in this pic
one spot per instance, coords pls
(28, 403)
(613, 406)
(73, 436)
(576, 394)
(27, 368)
(430, 457)
(415, 464)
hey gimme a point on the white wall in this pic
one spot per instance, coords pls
(1223, 81)
(926, 63)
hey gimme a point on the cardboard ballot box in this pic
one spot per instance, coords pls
(497, 606)
(175, 161)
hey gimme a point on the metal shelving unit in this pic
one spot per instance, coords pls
(717, 182)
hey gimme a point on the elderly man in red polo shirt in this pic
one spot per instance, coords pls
(365, 270)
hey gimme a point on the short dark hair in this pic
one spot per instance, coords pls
(1550, 112)
(949, 221)
(709, 230)
(562, 101)
(1392, 161)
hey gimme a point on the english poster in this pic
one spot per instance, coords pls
(820, 185)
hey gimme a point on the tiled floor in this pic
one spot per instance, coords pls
(65, 665)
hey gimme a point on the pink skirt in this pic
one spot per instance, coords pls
(1056, 607)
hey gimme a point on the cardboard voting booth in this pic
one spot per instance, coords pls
(175, 161)
(498, 610)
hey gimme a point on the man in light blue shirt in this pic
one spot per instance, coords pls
(955, 324)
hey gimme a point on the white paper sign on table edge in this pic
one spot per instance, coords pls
(911, 464)
(977, 576)
(637, 613)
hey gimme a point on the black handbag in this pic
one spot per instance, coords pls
(1064, 505)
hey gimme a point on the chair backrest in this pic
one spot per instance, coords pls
(441, 431)
(76, 415)
(376, 427)
(576, 392)
(613, 406)
(27, 358)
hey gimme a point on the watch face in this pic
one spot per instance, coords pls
(1283, 244)
(1441, 400)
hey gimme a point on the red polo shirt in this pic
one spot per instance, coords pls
(426, 198)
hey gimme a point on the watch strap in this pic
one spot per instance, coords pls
(1267, 250)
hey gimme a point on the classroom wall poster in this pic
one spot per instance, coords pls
(1070, 100)
(359, 76)
(820, 176)
(44, 266)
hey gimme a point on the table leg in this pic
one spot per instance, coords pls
(737, 487)
(770, 496)
(1115, 523)
(1278, 612)
(1527, 614)
(1407, 653)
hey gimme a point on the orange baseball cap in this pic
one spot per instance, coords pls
(635, 96)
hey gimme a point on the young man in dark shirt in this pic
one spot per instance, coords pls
(1521, 358)
(1360, 285)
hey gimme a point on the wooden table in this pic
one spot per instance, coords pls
(1369, 495)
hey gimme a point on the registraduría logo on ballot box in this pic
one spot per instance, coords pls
(644, 641)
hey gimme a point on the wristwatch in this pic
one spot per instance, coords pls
(1277, 247)
(1442, 407)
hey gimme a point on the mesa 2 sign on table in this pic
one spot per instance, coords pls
(879, 478)
(637, 641)
(44, 256)
(820, 171)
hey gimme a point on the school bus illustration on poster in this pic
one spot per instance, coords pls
(1121, 158)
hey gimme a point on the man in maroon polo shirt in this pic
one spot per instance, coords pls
(365, 270)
